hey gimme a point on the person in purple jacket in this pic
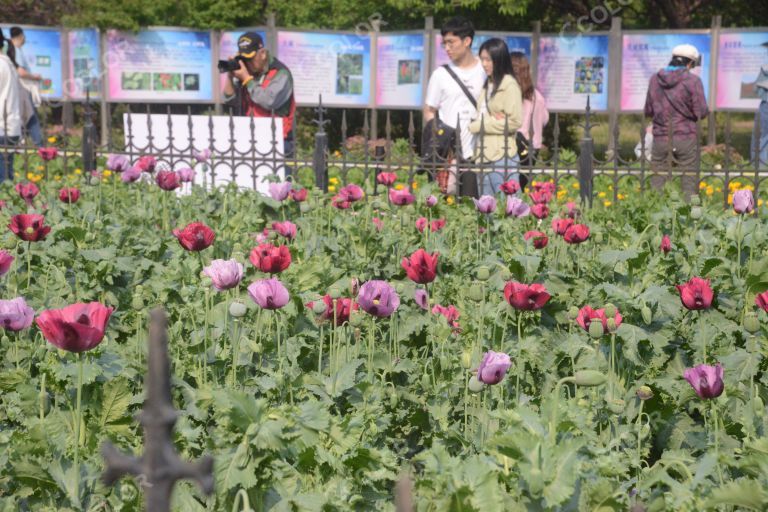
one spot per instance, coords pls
(675, 103)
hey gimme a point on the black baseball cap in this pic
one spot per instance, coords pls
(248, 44)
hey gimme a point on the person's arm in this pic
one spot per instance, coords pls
(700, 108)
(23, 73)
(648, 110)
(229, 88)
(511, 117)
(275, 94)
(432, 100)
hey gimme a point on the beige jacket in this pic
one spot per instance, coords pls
(508, 100)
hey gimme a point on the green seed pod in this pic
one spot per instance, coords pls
(335, 292)
(644, 393)
(589, 377)
(399, 288)
(357, 334)
(696, 212)
(466, 359)
(573, 313)
(506, 275)
(596, 330)
(318, 307)
(475, 292)
(305, 208)
(393, 398)
(751, 323)
(647, 315)
(758, 406)
(356, 318)
(645, 431)
(483, 273)
(611, 324)
(238, 309)
(98, 224)
(610, 310)
(206, 282)
(137, 302)
(272, 235)
(616, 405)
(475, 385)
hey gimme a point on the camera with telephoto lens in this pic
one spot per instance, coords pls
(225, 66)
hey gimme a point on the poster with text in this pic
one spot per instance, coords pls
(42, 53)
(572, 69)
(84, 65)
(338, 66)
(228, 47)
(515, 43)
(740, 57)
(643, 55)
(159, 65)
(400, 70)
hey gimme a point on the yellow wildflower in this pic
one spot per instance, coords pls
(561, 194)
(730, 198)
(78, 171)
(331, 188)
(57, 178)
(702, 185)
(333, 181)
(601, 195)
(449, 200)
(718, 189)
(415, 185)
(399, 186)
(35, 178)
(52, 140)
(40, 167)
(575, 186)
(607, 203)
(107, 173)
(759, 202)
(610, 187)
(621, 197)
(29, 175)
(710, 191)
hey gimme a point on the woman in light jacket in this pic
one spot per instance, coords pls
(500, 110)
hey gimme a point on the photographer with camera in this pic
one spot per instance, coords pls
(259, 85)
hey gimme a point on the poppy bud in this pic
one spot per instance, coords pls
(645, 430)
(506, 275)
(695, 200)
(616, 405)
(318, 307)
(598, 237)
(589, 377)
(98, 224)
(272, 235)
(647, 315)
(355, 318)
(751, 323)
(400, 288)
(335, 292)
(4, 340)
(483, 273)
(573, 313)
(466, 359)
(611, 324)
(357, 333)
(644, 393)
(475, 385)
(596, 330)
(137, 302)
(758, 406)
(238, 256)
(206, 282)
(696, 212)
(475, 293)
(610, 310)
(238, 309)
(535, 481)
(393, 398)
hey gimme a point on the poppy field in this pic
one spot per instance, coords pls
(517, 352)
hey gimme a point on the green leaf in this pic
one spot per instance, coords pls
(745, 493)
(115, 403)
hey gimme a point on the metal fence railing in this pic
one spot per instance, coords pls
(361, 157)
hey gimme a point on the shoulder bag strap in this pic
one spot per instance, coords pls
(471, 98)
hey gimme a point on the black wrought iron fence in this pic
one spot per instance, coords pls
(363, 155)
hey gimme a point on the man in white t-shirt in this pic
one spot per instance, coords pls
(10, 116)
(445, 97)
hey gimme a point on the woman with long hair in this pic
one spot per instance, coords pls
(500, 112)
(535, 113)
(10, 114)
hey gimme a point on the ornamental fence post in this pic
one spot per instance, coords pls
(320, 155)
(586, 162)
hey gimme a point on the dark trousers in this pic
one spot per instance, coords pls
(6, 157)
(682, 158)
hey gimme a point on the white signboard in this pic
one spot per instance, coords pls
(251, 155)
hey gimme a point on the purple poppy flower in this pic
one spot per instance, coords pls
(378, 298)
(431, 201)
(517, 207)
(269, 293)
(15, 315)
(280, 191)
(493, 367)
(706, 380)
(225, 274)
(743, 201)
(130, 175)
(186, 175)
(118, 163)
(486, 204)
(422, 299)
(202, 156)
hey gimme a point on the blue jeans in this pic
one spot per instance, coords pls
(761, 120)
(6, 157)
(34, 130)
(492, 180)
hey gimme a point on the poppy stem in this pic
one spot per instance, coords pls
(716, 423)
(638, 457)
(738, 246)
(78, 421)
(519, 354)
(29, 262)
(320, 352)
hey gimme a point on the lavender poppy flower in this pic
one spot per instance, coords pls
(118, 163)
(706, 380)
(493, 367)
(486, 204)
(517, 207)
(186, 175)
(269, 293)
(378, 298)
(202, 156)
(280, 191)
(15, 315)
(422, 299)
(225, 274)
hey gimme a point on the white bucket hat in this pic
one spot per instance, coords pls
(688, 51)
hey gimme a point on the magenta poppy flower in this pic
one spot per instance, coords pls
(401, 197)
(421, 224)
(525, 297)
(6, 260)
(286, 229)
(351, 193)
(75, 328)
(666, 244)
(202, 156)
(706, 380)
(186, 175)
(696, 294)
(386, 178)
(421, 298)
(430, 201)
